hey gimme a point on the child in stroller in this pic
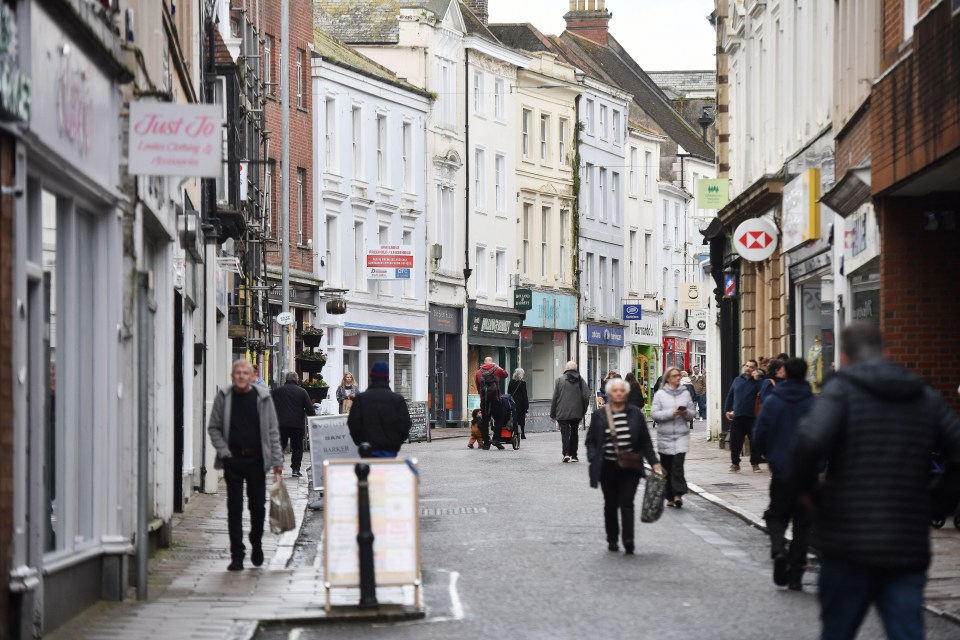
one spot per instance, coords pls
(505, 427)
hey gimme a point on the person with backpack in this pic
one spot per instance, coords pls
(379, 417)
(488, 380)
(571, 398)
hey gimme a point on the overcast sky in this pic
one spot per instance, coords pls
(661, 35)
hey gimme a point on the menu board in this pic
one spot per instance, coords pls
(329, 440)
(394, 512)
(420, 430)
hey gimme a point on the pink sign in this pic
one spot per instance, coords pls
(168, 139)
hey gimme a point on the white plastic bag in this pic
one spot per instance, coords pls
(282, 518)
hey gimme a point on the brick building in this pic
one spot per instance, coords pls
(303, 282)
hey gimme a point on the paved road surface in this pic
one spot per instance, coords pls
(519, 552)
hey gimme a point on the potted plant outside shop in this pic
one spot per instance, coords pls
(311, 336)
(316, 389)
(311, 361)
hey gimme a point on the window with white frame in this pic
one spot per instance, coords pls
(527, 222)
(332, 255)
(614, 287)
(647, 271)
(603, 122)
(564, 217)
(356, 115)
(615, 197)
(407, 241)
(382, 150)
(480, 180)
(544, 137)
(647, 168)
(500, 177)
(544, 237)
(500, 265)
(911, 13)
(632, 260)
(268, 64)
(300, 78)
(383, 237)
(633, 171)
(586, 191)
(527, 117)
(676, 291)
(601, 184)
(676, 225)
(359, 257)
(301, 177)
(602, 286)
(666, 220)
(481, 269)
(447, 98)
(478, 93)
(588, 116)
(446, 226)
(330, 132)
(407, 158)
(499, 99)
(562, 140)
(588, 279)
(616, 127)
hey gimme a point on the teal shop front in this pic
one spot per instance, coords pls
(547, 340)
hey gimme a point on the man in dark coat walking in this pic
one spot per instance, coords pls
(738, 409)
(571, 398)
(875, 424)
(292, 403)
(379, 416)
(773, 435)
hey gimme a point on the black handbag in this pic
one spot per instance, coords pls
(626, 460)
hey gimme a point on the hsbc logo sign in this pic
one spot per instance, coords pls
(755, 239)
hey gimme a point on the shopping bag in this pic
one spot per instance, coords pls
(281, 509)
(653, 497)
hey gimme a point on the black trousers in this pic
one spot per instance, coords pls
(295, 436)
(569, 437)
(784, 508)
(522, 422)
(676, 484)
(619, 490)
(739, 431)
(236, 471)
(490, 409)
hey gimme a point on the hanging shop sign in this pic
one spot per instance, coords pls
(692, 296)
(632, 312)
(389, 262)
(608, 335)
(729, 285)
(861, 242)
(755, 239)
(713, 194)
(523, 299)
(168, 139)
(801, 209)
(14, 85)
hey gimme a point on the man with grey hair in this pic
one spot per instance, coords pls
(243, 430)
(571, 398)
(292, 403)
(874, 426)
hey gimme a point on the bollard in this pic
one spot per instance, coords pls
(364, 450)
(368, 581)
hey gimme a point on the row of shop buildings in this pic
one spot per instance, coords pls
(833, 128)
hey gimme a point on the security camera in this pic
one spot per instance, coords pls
(15, 191)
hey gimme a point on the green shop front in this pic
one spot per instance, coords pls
(492, 332)
(644, 336)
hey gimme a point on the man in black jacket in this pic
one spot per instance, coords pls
(379, 416)
(292, 402)
(875, 425)
(738, 409)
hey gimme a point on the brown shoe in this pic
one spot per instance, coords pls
(734, 468)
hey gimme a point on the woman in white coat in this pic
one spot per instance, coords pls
(672, 407)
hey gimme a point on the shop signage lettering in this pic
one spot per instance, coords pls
(632, 312)
(444, 319)
(389, 262)
(490, 325)
(645, 331)
(497, 325)
(175, 139)
(608, 335)
(74, 104)
(712, 194)
(14, 86)
(801, 209)
(691, 296)
(523, 299)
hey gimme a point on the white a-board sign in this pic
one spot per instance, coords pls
(329, 440)
(394, 487)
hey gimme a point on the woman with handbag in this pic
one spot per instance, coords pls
(672, 408)
(617, 443)
(347, 391)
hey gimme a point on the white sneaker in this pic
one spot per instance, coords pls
(566, 458)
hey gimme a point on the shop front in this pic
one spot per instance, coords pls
(547, 340)
(861, 259)
(646, 352)
(444, 382)
(494, 332)
(605, 345)
(676, 353)
(698, 339)
(303, 305)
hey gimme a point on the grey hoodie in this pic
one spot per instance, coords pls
(673, 432)
(571, 397)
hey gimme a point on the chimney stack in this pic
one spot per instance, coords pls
(479, 9)
(589, 19)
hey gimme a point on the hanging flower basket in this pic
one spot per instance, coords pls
(317, 394)
(311, 361)
(311, 337)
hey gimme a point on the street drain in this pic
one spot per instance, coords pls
(732, 485)
(427, 512)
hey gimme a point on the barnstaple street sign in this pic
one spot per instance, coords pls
(755, 239)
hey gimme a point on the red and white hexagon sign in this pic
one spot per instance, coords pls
(755, 239)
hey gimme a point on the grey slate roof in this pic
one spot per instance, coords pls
(682, 83)
(359, 21)
(523, 36)
(336, 52)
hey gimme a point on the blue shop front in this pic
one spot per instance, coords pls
(547, 342)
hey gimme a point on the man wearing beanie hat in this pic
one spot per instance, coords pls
(379, 416)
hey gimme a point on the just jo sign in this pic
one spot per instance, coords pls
(175, 139)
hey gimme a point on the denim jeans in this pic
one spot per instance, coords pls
(569, 436)
(702, 406)
(847, 591)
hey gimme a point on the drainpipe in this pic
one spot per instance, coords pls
(143, 431)
(576, 216)
(467, 271)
